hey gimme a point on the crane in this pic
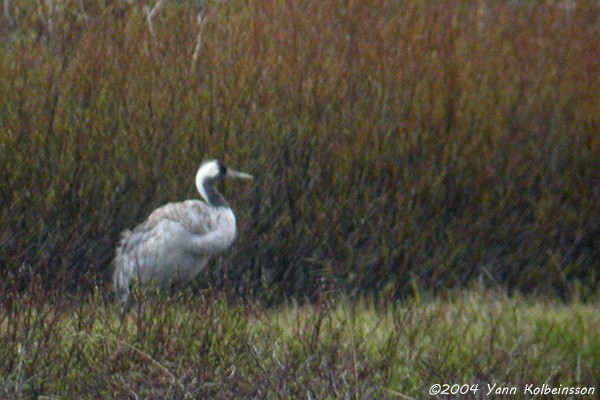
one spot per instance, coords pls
(173, 245)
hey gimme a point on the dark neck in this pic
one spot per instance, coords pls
(212, 195)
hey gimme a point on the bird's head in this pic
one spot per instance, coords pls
(215, 170)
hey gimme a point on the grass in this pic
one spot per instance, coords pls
(208, 347)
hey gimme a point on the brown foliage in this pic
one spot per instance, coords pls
(394, 142)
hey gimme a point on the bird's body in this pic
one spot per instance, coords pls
(176, 241)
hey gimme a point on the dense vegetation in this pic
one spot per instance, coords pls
(395, 143)
(402, 149)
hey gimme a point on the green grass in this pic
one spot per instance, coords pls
(208, 347)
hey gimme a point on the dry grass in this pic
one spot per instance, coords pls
(206, 347)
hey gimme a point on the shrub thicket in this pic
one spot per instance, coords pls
(394, 143)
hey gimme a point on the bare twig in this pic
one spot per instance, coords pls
(150, 13)
(8, 16)
(50, 19)
(201, 22)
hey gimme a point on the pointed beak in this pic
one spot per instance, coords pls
(231, 173)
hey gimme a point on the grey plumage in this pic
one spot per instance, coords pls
(176, 241)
